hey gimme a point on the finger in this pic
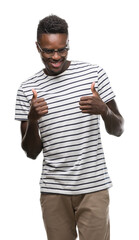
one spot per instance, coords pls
(87, 111)
(84, 103)
(42, 108)
(40, 103)
(42, 113)
(34, 94)
(40, 100)
(86, 98)
(85, 107)
(93, 87)
(95, 93)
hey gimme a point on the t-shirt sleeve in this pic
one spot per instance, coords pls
(104, 87)
(22, 106)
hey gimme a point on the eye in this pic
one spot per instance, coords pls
(48, 51)
(61, 50)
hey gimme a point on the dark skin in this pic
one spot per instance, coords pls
(31, 141)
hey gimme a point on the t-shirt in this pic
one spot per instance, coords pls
(73, 157)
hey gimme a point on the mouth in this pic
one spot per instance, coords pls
(53, 67)
(56, 64)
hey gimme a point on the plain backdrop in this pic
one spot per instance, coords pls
(103, 32)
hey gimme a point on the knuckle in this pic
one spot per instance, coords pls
(90, 101)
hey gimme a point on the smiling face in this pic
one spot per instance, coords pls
(55, 63)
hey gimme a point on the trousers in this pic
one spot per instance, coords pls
(63, 214)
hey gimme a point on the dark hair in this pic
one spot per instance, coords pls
(52, 24)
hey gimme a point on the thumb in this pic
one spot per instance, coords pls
(34, 94)
(95, 93)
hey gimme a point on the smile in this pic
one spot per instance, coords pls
(56, 64)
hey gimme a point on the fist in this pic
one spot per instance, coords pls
(38, 107)
(92, 104)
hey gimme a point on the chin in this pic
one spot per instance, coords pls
(54, 71)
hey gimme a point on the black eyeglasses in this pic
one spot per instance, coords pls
(51, 52)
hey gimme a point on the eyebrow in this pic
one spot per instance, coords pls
(55, 49)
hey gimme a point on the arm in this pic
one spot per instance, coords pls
(113, 120)
(109, 111)
(31, 141)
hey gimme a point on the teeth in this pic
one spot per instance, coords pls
(56, 64)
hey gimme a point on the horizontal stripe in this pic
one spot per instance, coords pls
(63, 169)
(73, 140)
(83, 156)
(77, 185)
(71, 146)
(90, 173)
(93, 159)
(64, 123)
(73, 180)
(70, 135)
(77, 190)
(76, 150)
(74, 161)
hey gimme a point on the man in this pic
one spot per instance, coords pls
(59, 109)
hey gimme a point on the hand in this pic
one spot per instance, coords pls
(93, 104)
(38, 107)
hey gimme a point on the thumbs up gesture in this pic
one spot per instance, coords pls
(38, 107)
(34, 94)
(93, 104)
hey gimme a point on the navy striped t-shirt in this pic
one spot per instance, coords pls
(74, 161)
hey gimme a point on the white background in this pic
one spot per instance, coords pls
(104, 32)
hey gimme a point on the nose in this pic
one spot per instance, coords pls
(56, 56)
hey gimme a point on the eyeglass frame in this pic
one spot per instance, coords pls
(53, 50)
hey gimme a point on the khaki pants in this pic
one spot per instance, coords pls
(89, 212)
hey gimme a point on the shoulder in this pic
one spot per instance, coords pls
(84, 65)
(33, 82)
(33, 79)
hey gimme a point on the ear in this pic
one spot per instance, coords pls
(37, 47)
(68, 44)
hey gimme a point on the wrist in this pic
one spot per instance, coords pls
(105, 111)
(32, 121)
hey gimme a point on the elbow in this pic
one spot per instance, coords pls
(29, 154)
(121, 128)
(117, 132)
(33, 157)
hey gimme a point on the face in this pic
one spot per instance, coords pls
(57, 62)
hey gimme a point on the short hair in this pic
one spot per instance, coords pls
(52, 24)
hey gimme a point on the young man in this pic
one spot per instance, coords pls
(59, 109)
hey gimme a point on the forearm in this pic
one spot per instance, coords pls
(113, 122)
(31, 142)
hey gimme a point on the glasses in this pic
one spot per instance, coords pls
(51, 52)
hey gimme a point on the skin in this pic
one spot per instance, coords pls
(31, 141)
(56, 64)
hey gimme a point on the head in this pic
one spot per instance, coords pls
(52, 44)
